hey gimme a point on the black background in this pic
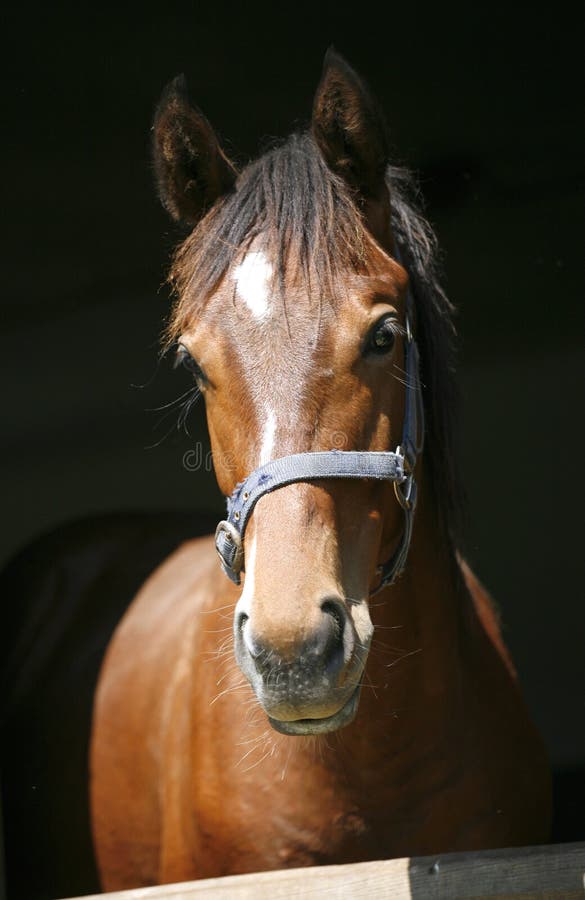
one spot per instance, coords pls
(486, 103)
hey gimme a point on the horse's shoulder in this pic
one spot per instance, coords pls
(141, 711)
(184, 578)
(191, 559)
(165, 612)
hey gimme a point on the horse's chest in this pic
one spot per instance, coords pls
(274, 840)
(285, 825)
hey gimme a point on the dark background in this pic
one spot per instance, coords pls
(486, 104)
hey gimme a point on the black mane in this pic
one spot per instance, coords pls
(306, 213)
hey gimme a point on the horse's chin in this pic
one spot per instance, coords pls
(340, 719)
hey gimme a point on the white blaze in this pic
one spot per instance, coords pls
(252, 279)
(247, 595)
(244, 604)
(268, 438)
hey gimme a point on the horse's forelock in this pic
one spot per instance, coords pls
(304, 213)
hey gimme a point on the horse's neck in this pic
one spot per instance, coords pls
(414, 676)
(423, 610)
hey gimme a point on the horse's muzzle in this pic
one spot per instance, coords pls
(309, 685)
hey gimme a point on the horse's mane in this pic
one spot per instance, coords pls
(306, 214)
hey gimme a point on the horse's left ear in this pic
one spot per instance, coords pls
(349, 128)
(191, 169)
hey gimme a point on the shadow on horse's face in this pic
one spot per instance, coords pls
(292, 375)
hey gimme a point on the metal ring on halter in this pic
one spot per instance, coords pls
(233, 536)
(403, 491)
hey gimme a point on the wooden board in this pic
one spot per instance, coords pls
(553, 872)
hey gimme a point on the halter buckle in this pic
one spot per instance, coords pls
(229, 547)
(405, 490)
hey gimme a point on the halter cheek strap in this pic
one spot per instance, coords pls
(397, 467)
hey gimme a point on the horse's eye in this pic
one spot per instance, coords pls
(184, 358)
(383, 335)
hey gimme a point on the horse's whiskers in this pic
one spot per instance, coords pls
(370, 685)
(248, 752)
(216, 609)
(257, 763)
(286, 762)
(214, 656)
(383, 647)
(233, 671)
(172, 403)
(402, 658)
(186, 408)
(253, 740)
(409, 387)
(233, 689)
(191, 395)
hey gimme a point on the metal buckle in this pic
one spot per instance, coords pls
(403, 489)
(232, 536)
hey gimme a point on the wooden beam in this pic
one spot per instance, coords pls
(554, 872)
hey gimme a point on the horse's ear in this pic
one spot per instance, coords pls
(191, 169)
(349, 127)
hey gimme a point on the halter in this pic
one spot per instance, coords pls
(397, 467)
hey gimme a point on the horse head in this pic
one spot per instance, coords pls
(292, 315)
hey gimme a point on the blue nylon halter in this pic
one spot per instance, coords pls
(397, 467)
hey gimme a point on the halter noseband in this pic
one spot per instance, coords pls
(397, 467)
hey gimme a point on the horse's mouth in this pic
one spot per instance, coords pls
(340, 719)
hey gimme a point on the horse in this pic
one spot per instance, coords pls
(345, 694)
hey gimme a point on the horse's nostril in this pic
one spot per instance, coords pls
(336, 610)
(333, 634)
(252, 647)
(240, 623)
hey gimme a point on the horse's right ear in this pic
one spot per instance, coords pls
(191, 169)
